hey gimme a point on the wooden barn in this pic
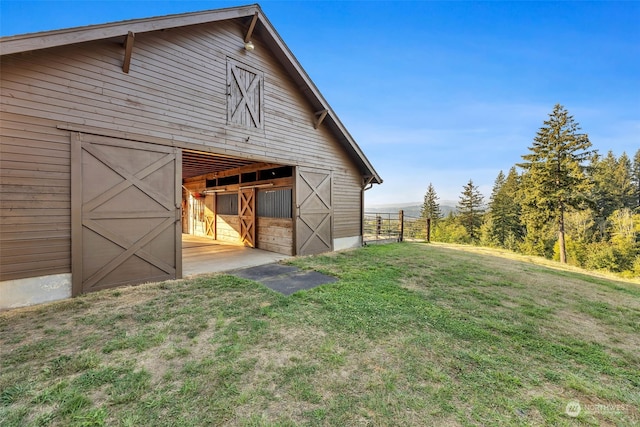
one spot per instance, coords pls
(118, 139)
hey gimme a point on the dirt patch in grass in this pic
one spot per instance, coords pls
(588, 328)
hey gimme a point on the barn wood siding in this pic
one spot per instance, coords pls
(35, 198)
(275, 235)
(175, 91)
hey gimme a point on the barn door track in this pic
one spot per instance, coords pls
(285, 279)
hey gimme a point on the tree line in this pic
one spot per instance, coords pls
(564, 201)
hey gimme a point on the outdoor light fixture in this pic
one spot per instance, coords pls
(249, 46)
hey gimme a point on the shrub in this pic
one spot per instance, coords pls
(600, 256)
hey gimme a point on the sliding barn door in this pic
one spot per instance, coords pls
(314, 219)
(126, 209)
(247, 214)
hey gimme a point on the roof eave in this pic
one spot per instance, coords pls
(48, 39)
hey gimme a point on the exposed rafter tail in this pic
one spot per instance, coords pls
(320, 116)
(252, 26)
(128, 50)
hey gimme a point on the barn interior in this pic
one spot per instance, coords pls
(231, 206)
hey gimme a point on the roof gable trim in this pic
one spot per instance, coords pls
(48, 39)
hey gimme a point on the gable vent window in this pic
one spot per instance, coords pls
(245, 96)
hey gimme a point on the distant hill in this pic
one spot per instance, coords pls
(410, 209)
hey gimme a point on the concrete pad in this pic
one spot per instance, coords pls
(201, 255)
(284, 278)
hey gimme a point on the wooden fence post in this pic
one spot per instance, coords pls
(378, 226)
(428, 230)
(401, 226)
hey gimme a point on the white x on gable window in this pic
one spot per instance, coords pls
(245, 96)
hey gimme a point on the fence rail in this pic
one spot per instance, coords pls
(394, 227)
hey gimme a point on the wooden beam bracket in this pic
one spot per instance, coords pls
(128, 50)
(366, 182)
(320, 116)
(252, 26)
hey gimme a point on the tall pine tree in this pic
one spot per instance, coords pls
(504, 211)
(470, 210)
(554, 179)
(613, 188)
(624, 174)
(431, 207)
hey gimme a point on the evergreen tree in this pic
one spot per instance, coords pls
(430, 207)
(505, 228)
(613, 187)
(470, 210)
(497, 186)
(539, 236)
(624, 176)
(492, 226)
(554, 178)
(635, 180)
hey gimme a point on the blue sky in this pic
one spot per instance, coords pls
(438, 92)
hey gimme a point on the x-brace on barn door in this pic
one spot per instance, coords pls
(245, 96)
(314, 200)
(125, 203)
(247, 214)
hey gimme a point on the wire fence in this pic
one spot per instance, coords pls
(394, 227)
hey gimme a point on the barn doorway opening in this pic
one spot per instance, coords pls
(234, 208)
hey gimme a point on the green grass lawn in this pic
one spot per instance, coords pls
(410, 335)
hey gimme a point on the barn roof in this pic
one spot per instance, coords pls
(255, 20)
